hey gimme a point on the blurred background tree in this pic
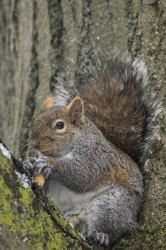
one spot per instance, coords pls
(39, 38)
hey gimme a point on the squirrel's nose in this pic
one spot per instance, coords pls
(35, 143)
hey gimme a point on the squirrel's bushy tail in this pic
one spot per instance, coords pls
(115, 100)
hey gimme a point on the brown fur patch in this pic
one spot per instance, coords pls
(48, 103)
(118, 176)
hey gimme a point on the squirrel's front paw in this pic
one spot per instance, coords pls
(37, 166)
(29, 165)
(41, 165)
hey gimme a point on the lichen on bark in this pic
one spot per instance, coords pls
(37, 37)
(28, 219)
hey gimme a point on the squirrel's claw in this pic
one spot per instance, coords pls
(28, 165)
(41, 165)
(41, 171)
(34, 166)
(47, 171)
(99, 237)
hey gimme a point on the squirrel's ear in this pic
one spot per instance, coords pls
(75, 109)
(48, 103)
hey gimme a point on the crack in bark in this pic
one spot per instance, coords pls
(132, 27)
(15, 18)
(57, 44)
(34, 83)
(85, 49)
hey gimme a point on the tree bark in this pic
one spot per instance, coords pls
(29, 220)
(39, 38)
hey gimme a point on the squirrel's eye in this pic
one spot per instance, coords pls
(59, 125)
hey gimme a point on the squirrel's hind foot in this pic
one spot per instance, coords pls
(99, 237)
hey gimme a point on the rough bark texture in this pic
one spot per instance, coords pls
(28, 218)
(39, 37)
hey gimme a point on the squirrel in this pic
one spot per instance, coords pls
(92, 140)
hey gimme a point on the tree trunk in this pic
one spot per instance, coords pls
(29, 220)
(38, 38)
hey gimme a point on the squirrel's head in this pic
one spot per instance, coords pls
(55, 128)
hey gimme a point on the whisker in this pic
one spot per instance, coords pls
(25, 146)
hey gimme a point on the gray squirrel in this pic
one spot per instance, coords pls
(92, 140)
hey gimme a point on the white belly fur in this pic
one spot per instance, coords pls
(71, 204)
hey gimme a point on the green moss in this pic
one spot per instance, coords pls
(151, 235)
(24, 221)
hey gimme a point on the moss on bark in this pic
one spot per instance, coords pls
(37, 39)
(28, 219)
